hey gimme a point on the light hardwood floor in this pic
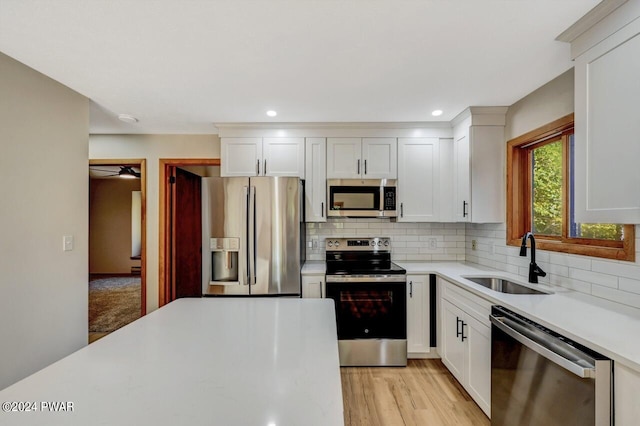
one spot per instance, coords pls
(423, 393)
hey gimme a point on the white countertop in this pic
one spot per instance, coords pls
(223, 361)
(606, 327)
(314, 267)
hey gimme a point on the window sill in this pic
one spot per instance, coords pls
(626, 252)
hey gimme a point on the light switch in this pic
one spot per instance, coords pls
(67, 242)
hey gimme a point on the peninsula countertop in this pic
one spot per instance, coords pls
(231, 361)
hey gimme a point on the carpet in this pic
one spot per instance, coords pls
(113, 303)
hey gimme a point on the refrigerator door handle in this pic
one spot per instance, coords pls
(251, 241)
(245, 211)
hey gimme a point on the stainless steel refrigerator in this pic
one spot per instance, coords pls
(253, 236)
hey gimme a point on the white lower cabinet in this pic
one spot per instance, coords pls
(418, 331)
(465, 345)
(313, 286)
(626, 391)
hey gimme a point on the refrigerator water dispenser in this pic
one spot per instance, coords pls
(224, 260)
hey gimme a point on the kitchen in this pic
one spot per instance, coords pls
(612, 280)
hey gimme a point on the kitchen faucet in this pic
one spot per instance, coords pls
(534, 270)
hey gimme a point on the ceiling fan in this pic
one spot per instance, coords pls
(126, 172)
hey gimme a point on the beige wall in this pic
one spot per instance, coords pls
(110, 225)
(548, 103)
(152, 148)
(44, 129)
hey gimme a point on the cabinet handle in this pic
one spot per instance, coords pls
(401, 209)
(464, 209)
(458, 332)
(365, 167)
(322, 209)
(265, 167)
(411, 289)
(358, 167)
(464, 324)
(257, 167)
(320, 289)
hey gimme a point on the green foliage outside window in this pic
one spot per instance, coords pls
(547, 189)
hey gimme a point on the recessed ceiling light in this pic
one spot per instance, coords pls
(436, 113)
(127, 118)
(271, 113)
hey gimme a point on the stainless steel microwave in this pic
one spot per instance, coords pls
(361, 198)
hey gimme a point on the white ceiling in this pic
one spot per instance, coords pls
(182, 65)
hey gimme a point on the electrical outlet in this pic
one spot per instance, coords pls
(433, 243)
(474, 244)
(314, 243)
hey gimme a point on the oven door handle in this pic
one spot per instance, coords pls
(511, 327)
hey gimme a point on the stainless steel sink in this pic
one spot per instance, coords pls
(504, 286)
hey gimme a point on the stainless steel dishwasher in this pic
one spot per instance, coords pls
(539, 377)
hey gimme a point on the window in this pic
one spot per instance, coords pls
(540, 197)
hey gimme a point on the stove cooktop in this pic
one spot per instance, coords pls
(393, 269)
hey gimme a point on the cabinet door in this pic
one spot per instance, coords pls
(241, 157)
(379, 157)
(453, 348)
(461, 177)
(315, 186)
(478, 362)
(487, 152)
(313, 286)
(418, 314)
(344, 158)
(418, 179)
(607, 89)
(626, 391)
(283, 157)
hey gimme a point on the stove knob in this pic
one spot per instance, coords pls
(337, 243)
(379, 243)
(386, 243)
(373, 243)
(330, 244)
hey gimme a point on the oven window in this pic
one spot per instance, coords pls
(370, 310)
(355, 198)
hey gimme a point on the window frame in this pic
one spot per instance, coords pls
(519, 196)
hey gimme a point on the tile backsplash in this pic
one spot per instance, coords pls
(409, 241)
(613, 280)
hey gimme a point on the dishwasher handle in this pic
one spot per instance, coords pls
(511, 329)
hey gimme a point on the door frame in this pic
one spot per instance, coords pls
(142, 164)
(165, 231)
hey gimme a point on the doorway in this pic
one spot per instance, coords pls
(117, 244)
(180, 237)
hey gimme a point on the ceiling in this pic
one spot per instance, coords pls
(180, 66)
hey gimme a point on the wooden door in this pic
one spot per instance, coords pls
(186, 218)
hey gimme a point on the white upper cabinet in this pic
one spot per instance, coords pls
(379, 157)
(316, 180)
(240, 156)
(607, 152)
(262, 157)
(479, 167)
(361, 158)
(418, 179)
(283, 157)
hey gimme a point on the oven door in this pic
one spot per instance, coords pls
(369, 307)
